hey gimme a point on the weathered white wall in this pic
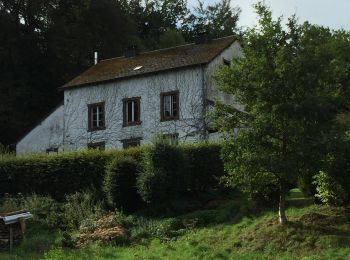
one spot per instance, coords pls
(67, 127)
(211, 90)
(189, 126)
(210, 87)
(48, 134)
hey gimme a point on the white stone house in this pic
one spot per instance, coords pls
(126, 101)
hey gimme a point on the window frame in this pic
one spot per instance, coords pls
(125, 102)
(127, 142)
(162, 115)
(90, 115)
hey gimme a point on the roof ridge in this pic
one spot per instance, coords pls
(168, 48)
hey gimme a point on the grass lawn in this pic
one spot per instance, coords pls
(313, 232)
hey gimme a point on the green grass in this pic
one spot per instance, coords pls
(309, 235)
(296, 198)
(227, 231)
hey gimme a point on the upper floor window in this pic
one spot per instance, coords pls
(96, 116)
(131, 111)
(169, 105)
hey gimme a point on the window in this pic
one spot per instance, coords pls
(52, 150)
(173, 138)
(96, 116)
(97, 146)
(131, 111)
(226, 62)
(169, 105)
(132, 142)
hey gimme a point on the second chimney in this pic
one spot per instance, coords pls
(95, 57)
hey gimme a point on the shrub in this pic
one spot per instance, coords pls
(204, 166)
(328, 190)
(80, 206)
(119, 183)
(162, 177)
(57, 175)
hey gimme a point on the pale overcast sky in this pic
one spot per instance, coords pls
(332, 13)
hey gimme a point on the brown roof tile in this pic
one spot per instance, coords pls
(153, 61)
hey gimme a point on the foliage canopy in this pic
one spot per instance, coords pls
(290, 84)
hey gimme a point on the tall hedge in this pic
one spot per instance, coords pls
(204, 165)
(170, 171)
(56, 175)
(162, 176)
(187, 168)
(119, 184)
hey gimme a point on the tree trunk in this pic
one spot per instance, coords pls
(282, 206)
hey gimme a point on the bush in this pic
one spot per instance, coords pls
(80, 206)
(167, 172)
(162, 177)
(328, 190)
(57, 175)
(119, 183)
(204, 166)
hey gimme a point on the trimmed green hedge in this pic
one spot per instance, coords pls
(57, 175)
(204, 166)
(119, 183)
(67, 173)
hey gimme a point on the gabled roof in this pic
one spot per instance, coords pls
(151, 62)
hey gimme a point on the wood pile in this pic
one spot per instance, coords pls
(5, 234)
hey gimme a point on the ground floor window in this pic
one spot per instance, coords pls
(132, 142)
(97, 146)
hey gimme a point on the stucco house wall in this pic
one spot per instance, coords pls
(187, 81)
(48, 134)
(67, 127)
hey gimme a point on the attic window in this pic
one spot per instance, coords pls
(226, 62)
(138, 68)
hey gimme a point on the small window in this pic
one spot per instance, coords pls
(227, 62)
(52, 150)
(132, 142)
(131, 111)
(96, 116)
(97, 146)
(173, 138)
(169, 105)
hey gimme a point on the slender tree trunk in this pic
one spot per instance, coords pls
(282, 206)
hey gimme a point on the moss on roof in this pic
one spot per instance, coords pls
(151, 62)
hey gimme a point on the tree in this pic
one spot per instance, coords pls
(291, 83)
(218, 19)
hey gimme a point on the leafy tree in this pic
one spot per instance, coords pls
(291, 83)
(218, 19)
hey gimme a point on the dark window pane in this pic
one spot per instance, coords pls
(136, 111)
(167, 105)
(131, 143)
(96, 116)
(174, 105)
(129, 112)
